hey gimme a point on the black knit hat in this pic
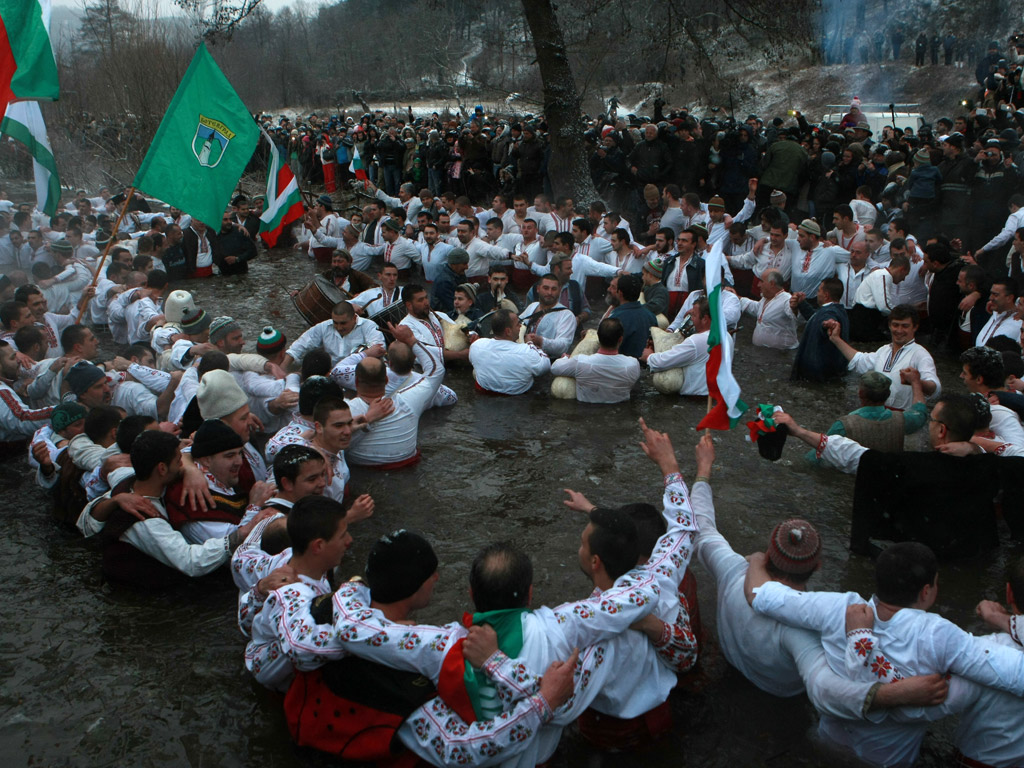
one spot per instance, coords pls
(398, 565)
(212, 437)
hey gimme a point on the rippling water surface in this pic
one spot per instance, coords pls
(96, 676)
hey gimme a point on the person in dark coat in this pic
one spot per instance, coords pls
(817, 358)
(637, 320)
(232, 248)
(442, 292)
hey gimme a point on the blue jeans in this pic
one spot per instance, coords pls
(392, 176)
(435, 178)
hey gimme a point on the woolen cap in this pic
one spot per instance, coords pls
(469, 289)
(213, 437)
(398, 565)
(195, 321)
(219, 395)
(221, 327)
(458, 256)
(271, 341)
(82, 376)
(716, 202)
(655, 265)
(810, 226)
(794, 547)
(393, 225)
(66, 414)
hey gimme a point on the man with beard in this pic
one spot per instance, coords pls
(428, 331)
(232, 248)
(139, 545)
(351, 281)
(550, 326)
(17, 421)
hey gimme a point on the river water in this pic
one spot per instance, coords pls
(98, 676)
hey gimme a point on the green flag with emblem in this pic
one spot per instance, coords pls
(202, 146)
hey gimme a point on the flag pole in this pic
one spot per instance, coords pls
(307, 197)
(110, 243)
(707, 430)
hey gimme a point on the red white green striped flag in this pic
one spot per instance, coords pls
(356, 166)
(284, 203)
(23, 122)
(27, 69)
(722, 386)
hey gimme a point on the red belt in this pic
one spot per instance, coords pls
(484, 391)
(412, 460)
(202, 272)
(960, 760)
(613, 733)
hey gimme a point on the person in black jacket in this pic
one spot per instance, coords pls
(390, 152)
(650, 161)
(232, 248)
(817, 358)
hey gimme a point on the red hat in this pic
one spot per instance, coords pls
(794, 547)
(606, 130)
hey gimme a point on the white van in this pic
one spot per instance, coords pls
(878, 116)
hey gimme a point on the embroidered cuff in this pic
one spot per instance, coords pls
(540, 704)
(666, 636)
(494, 661)
(673, 477)
(822, 442)
(1015, 630)
(869, 700)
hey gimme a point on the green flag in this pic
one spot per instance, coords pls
(202, 145)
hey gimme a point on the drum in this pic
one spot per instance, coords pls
(390, 315)
(317, 299)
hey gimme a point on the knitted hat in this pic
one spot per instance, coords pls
(270, 342)
(655, 265)
(221, 327)
(810, 226)
(398, 565)
(352, 230)
(219, 395)
(82, 376)
(326, 202)
(469, 289)
(62, 246)
(458, 256)
(828, 160)
(716, 202)
(177, 305)
(559, 258)
(922, 157)
(66, 414)
(699, 230)
(393, 225)
(194, 321)
(778, 197)
(214, 436)
(344, 252)
(794, 547)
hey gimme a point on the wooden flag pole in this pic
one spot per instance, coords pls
(110, 243)
(707, 430)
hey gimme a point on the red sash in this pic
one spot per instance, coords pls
(411, 461)
(483, 391)
(676, 299)
(612, 733)
(319, 718)
(202, 272)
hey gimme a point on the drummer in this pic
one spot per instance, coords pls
(351, 282)
(339, 337)
(378, 298)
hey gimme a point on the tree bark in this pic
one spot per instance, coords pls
(567, 167)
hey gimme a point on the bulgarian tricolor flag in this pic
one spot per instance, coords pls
(284, 203)
(28, 71)
(23, 122)
(356, 166)
(722, 387)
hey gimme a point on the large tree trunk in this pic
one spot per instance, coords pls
(568, 165)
